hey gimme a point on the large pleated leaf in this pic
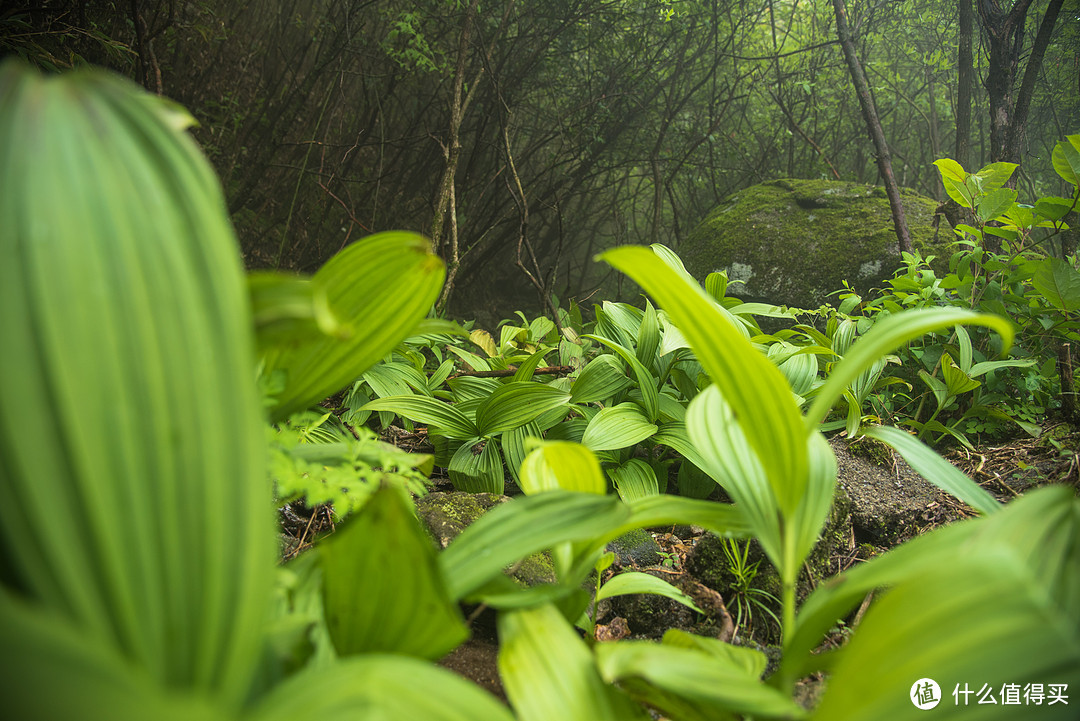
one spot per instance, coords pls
(476, 467)
(599, 380)
(549, 673)
(133, 496)
(687, 682)
(646, 381)
(53, 672)
(451, 422)
(515, 404)
(1016, 570)
(634, 479)
(756, 390)
(381, 287)
(370, 608)
(561, 465)
(617, 427)
(513, 447)
(379, 686)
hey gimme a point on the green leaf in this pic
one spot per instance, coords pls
(617, 427)
(1037, 535)
(648, 337)
(982, 621)
(1059, 283)
(646, 381)
(634, 479)
(954, 178)
(935, 469)
(632, 582)
(126, 388)
(694, 482)
(521, 527)
(549, 673)
(286, 309)
(599, 380)
(451, 422)
(369, 610)
(97, 683)
(515, 404)
(951, 169)
(690, 683)
(722, 519)
(1053, 208)
(513, 446)
(1066, 159)
(556, 465)
(995, 175)
(476, 467)
(382, 286)
(379, 686)
(956, 380)
(995, 203)
(755, 388)
(885, 336)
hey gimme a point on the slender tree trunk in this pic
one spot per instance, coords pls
(965, 78)
(873, 124)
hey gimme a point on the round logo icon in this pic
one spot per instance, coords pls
(925, 693)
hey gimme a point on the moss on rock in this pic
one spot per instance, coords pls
(792, 242)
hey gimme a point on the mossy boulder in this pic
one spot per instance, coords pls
(792, 242)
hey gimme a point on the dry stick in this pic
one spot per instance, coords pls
(507, 372)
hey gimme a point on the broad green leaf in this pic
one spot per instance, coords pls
(951, 169)
(451, 422)
(755, 388)
(548, 672)
(513, 446)
(956, 380)
(617, 427)
(694, 482)
(1041, 530)
(369, 610)
(754, 662)
(935, 469)
(381, 286)
(286, 308)
(515, 404)
(126, 385)
(995, 203)
(646, 381)
(885, 336)
(1066, 159)
(716, 285)
(477, 467)
(722, 519)
(483, 339)
(995, 175)
(56, 672)
(632, 582)
(648, 338)
(378, 686)
(474, 361)
(979, 621)
(963, 340)
(599, 380)
(559, 465)
(634, 479)
(937, 387)
(522, 527)
(1059, 283)
(526, 369)
(690, 683)
(1053, 208)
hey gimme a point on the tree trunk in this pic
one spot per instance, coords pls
(965, 78)
(1009, 106)
(873, 124)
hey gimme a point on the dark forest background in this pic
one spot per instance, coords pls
(523, 137)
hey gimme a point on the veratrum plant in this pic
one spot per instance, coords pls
(135, 536)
